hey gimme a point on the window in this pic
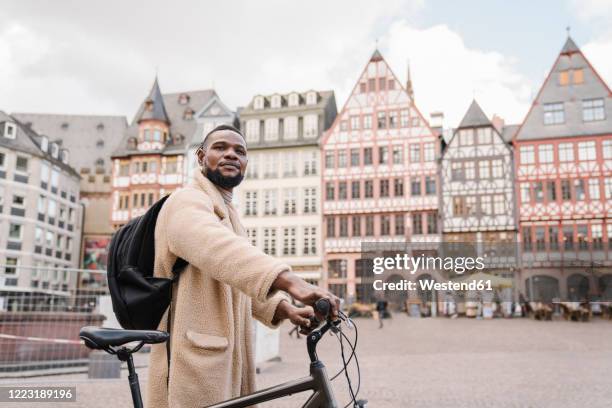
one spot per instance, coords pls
(578, 75)
(581, 234)
(594, 193)
(415, 186)
(294, 99)
(310, 241)
(400, 228)
(311, 98)
(15, 232)
(484, 169)
(38, 235)
(381, 84)
(597, 236)
(252, 235)
(430, 185)
(354, 157)
(269, 202)
(398, 187)
(415, 153)
(310, 200)
(593, 110)
(343, 227)
(271, 166)
(310, 164)
(336, 268)
(354, 122)
(540, 238)
(527, 240)
(393, 120)
(384, 188)
(527, 155)
(368, 188)
(269, 236)
(429, 153)
(11, 266)
(538, 191)
(432, 223)
(525, 195)
(289, 241)
(363, 87)
(545, 153)
(554, 113)
(48, 238)
(385, 225)
(404, 118)
(417, 224)
(258, 102)
(367, 121)
(568, 237)
(356, 226)
(551, 191)
(275, 101)
(18, 200)
(457, 173)
(342, 158)
(469, 167)
(52, 208)
(355, 189)
(499, 204)
(483, 136)
(330, 224)
(608, 188)
(21, 164)
(290, 162)
(397, 155)
(367, 156)
(343, 125)
(251, 203)
(252, 170)
(566, 152)
(579, 190)
(383, 155)
(564, 77)
(330, 191)
(369, 225)
(289, 201)
(290, 127)
(470, 205)
(271, 129)
(10, 130)
(124, 170)
(44, 171)
(342, 193)
(311, 126)
(553, 238)
(252, 130)
(486, 206)
(381, 122)
(466, 137)
(586, 151)
(372, 84)
(329, 159)
(566, 193)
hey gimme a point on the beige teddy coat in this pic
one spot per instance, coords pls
(226, 283)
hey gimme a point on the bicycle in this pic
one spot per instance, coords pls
(113, 340)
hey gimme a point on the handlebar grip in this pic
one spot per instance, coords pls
(322, 307)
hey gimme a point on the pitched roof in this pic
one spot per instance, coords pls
(474, 117)
(376, 56)
(153, 107)
(28, 141)
(80, 134)
(571, 93)
(182, 127)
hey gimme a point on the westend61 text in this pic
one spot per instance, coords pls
(433, 285)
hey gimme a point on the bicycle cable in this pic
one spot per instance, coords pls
(345, 363)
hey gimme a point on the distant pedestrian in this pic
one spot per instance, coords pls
(381, 308)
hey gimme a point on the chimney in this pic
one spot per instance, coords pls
(436, 121)
(498, 123)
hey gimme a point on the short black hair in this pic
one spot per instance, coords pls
(218, 128)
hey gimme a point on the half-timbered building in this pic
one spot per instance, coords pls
(563, 155)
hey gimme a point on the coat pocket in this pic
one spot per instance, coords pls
(207, 341)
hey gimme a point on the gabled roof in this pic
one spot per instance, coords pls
(474, 117)
(80, 134)
(571, 96)
(376, 56)
(157, 110)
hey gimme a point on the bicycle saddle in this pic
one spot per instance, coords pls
(103, 337)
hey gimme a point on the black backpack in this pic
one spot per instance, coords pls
(139, 299)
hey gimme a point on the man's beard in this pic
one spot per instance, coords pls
(222, 181)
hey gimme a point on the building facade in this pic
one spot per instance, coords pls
(380, 177)
(563, 155)
(280, 198)
(40, 216)
(90, 139)
(151, 159)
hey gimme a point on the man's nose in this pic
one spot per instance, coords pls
(230, 154)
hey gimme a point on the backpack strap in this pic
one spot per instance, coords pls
(177, 268)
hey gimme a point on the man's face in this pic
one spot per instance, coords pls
(224, 158)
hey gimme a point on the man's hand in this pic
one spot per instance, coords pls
(299, 316)
(304, 292)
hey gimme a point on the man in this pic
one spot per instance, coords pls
(227, 282)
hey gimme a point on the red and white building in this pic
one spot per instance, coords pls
(380, 178)
(563, 156)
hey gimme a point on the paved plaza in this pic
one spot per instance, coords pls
(433, 363)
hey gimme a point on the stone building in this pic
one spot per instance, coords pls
(280, 198)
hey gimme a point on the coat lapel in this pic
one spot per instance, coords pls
(202, 183)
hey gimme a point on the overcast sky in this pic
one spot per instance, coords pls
(101, 57)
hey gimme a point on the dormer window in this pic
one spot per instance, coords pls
(65, 126)
(64, 156)
(275, 101)
(311, 98)
(100, 162)
(10, 130)
(44, 144)
(149, 105)
(132, 143)
(188, 114)
(100, 127)
(294, 99)
(100, 144)
(258, 102)
(183, 99)
(54, 150)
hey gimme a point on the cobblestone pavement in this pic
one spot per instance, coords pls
(433, 363)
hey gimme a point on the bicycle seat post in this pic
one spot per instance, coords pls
(125, 354)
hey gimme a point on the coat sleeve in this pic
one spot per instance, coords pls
(264, 311)
(196, 234)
